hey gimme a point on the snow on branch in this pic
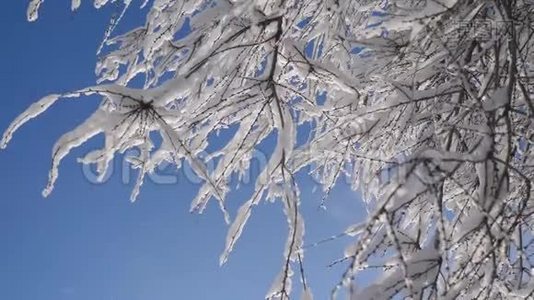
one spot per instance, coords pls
(425, 106)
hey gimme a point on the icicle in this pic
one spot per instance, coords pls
(70, 140)
(75, 5)
(31, 112)
(33, 10)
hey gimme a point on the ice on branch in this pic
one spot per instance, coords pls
(425, 107)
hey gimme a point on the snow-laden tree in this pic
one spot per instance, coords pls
(427, 110)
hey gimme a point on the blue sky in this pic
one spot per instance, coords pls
(89, 241)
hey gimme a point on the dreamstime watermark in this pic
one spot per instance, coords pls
(167, 173)
(483, 30)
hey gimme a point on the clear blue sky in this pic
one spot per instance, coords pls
(88, 241)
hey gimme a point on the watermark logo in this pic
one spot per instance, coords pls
(483, 30)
